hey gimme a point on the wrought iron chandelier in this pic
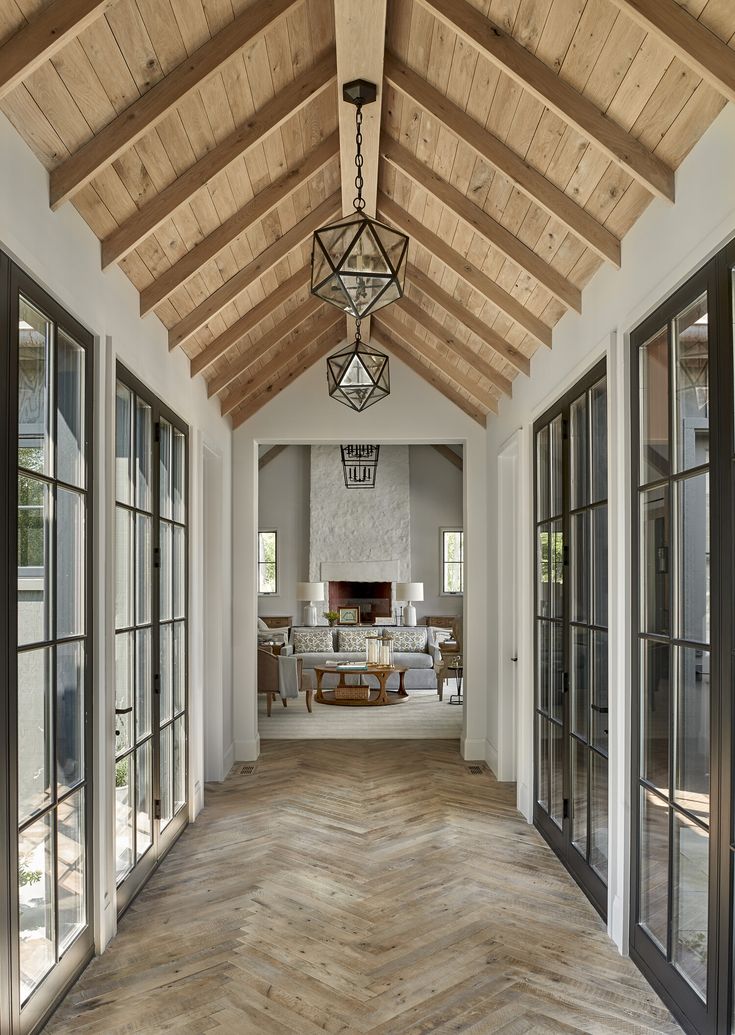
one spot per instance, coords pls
(360, 464)
(358, 263)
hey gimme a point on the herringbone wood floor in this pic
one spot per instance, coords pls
(355, 887)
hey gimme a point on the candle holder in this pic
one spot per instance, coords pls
(385, 641)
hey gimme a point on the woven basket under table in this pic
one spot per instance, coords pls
(352, 693)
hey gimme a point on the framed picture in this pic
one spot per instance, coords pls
(349, 616)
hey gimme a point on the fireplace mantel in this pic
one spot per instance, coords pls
(359, 571)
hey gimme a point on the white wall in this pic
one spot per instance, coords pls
(436, 502)
(666, 245)
(303, 413)
(61, 253)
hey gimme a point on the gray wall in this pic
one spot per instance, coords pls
(283, 503)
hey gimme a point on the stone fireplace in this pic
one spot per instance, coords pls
(360, 539)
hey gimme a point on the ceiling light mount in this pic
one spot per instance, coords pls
(359, 92)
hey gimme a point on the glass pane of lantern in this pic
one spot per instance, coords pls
(363, 290)
(374, 363)
(391, 293)
(393, 243)
(336, 238)
(364, 254)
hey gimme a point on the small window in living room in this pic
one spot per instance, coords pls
(267, 563)
(452, 548)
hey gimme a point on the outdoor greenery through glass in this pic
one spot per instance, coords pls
(267, 563)
(452, 560)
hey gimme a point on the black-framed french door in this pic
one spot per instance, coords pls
(46, 864)
(151, 588)
(571, 618)
(682, 492)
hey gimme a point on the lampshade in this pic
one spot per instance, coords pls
(310, 591)
(409, 591)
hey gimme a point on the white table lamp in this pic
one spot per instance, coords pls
(313, 592)
(409, 591)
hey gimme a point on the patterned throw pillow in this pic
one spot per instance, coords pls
(310, 641)
(409, 640)
(353, 639)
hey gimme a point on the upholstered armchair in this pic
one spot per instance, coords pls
(270, 677)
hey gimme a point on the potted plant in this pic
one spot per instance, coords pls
(331, 616)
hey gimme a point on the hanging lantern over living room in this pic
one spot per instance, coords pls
(358, 375)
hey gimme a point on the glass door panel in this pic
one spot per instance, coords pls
(150, 772)
(571, 632)
(50, 699)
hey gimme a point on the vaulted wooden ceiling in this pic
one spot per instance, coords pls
(516, 142)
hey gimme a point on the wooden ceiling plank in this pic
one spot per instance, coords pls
(429, 349)
(324, 325)
(476, 279)
(236, 331)
(574, 108)
(482, 223)
(265, 343)
(153, 106)
(272, 115)
(261, 206)
(424, 371)
(533, 183)
(442, 450)
(691, 41)
(447, 302)
(242, 280)
(286, 375)
(450, 341)
(44, 36)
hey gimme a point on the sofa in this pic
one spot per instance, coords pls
(416, 649)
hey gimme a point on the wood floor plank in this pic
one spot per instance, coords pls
(361, 887)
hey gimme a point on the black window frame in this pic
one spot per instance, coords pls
(716, 1014)
(135, 880)
(559, 838)
(444, 562)
(44, 999)
(262, 564)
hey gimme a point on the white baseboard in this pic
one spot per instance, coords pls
(524, 802)
(247, 750)
(490, 754)
(473, 750)
(229, 759)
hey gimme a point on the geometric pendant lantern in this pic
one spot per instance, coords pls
(358, 375)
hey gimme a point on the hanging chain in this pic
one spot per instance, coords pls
(357, 331)
(359, 202)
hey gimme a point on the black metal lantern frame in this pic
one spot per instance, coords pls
(360, 465)
(358, 376)
(358, 263)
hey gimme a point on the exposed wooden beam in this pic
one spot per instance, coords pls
(359, 37)
(43, 36)
(269, 340)
(543, 82)
(286, 375)
(444, 451)
(287, 103)
(690, 40)
(429, 349)
(249, 321)
(438, 247)
(153, 106)
(425, 370)
(331, 330)
(447, 302)
(275, 451)
(440, 333)
(482, 223)
(534, 184)
(261, 205)
(242, 280)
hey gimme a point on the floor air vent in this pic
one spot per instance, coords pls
(475, 770)
(247, 770)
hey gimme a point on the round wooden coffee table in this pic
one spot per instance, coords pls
(379, 696)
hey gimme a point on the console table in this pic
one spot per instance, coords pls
(380, 696)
